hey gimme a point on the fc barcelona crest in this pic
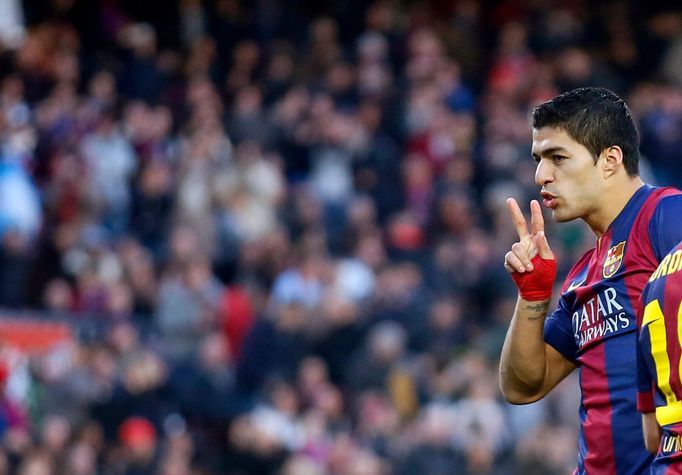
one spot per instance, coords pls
(614, 258)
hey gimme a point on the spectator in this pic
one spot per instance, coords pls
(275, 232)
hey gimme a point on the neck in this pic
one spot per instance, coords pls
(618, 197)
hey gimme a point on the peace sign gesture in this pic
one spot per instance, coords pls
(520, 258)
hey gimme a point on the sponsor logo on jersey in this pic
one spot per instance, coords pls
(576, 283)
(614, 258)
(670, 444)
(598, 317)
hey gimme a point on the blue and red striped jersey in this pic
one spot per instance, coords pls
(595, 327)
(659, 386)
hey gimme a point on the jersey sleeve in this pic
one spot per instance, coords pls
(559, 334)
(665, 226)
(645, 383)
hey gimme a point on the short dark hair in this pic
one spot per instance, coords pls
(596, 118)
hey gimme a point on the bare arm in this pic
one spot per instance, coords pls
(529, 367)
(652, 432)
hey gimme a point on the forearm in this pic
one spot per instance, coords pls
(523, 363)
(652, 432)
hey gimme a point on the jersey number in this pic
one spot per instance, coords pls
(654, 320)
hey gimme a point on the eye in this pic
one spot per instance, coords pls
(558, 158)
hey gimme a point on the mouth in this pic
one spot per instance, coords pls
(548, 199)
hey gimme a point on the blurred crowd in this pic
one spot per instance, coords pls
(277, 227)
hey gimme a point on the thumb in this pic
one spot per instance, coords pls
(543, 246)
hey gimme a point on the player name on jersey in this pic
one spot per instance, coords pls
(670, 264)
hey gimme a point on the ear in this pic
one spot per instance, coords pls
(613, 160)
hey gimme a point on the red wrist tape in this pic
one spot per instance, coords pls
(537, 284)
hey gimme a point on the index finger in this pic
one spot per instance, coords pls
(537, 221)
(517, 218)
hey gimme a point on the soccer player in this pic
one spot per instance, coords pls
(658, 366)
(586, 145)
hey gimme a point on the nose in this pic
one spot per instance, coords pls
(544, 173)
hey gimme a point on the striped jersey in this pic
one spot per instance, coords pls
(595, 327)
(658, 366)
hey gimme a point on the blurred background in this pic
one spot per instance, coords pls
(266, 237)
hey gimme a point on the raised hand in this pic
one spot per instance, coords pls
(531, 261)
(530, 244)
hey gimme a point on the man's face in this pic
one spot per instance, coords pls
(571, 182)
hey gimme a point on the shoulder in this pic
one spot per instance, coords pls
(669, 200)
(664, 223)
(666, 211)
(659, 198)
